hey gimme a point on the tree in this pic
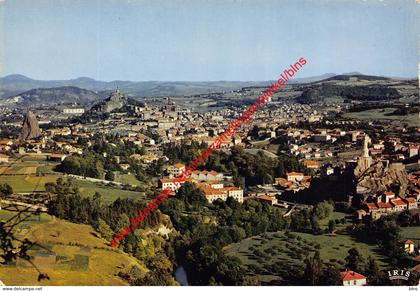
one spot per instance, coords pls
(404, 218)
(372, 272)
(323, 210)
(110, 176)
(104, 229)
(330, 276)
(354, 260)
(6, 190)
(331, 226)
(313, 269)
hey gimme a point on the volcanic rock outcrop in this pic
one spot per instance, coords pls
(30, 128)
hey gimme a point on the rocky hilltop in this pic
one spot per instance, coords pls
(30, 128)
(115, 101)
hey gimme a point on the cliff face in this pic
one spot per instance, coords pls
(379, 178)
(30, 128)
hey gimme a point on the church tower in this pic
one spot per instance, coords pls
(365, 160)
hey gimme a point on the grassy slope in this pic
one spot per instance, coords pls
(379, 114)
(283, 250)
(99, 266)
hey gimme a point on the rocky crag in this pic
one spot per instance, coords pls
(30, 127)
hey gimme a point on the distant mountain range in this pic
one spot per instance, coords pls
(19, 90)
(13, 85)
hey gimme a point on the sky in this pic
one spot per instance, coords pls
(206, 40)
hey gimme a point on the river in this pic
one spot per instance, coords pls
(181, 276)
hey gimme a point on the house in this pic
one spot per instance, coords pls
(385, 208)
(351, 278)
(411, 203)
(213, 194)
(235, 192)
(125, 167)
(174, 184)
(360, 213)
(373, 210)
(282, 182)
(207, 176)
(311, 164)
(215, 184)
(4, 158)
(413, 150)
(268, 199)
(408, 246)
(147, 158)
(294, 176)
(387, 195)
(175, 170)
(399, 204)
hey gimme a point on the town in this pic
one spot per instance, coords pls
(209, 144)
(304, 154)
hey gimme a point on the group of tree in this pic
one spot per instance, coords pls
(88, 165)
(307, 219)
(5, 190)
(384, 232)
(252, 169)
(183, 152)
(317, 273)
(99, 159)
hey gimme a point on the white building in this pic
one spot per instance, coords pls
(351, 278)
(175, 170)
(74, 110)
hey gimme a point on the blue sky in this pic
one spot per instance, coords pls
(203, 40)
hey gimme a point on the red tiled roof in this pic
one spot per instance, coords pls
(311, 163)
(168, 180)
(265, 197)
(384, 205)
(410, 200)
(371, 206)
(351, 275)
(230, 188)
(398, 201)
(209, 191)
(389, 193)
(294, 174)
(408, 242)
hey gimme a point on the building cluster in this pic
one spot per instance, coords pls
(322, 151)
(212, 183)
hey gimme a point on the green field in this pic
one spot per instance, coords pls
(32, 173)
(27, 184)
(380, 114)
(109, 193)
(129, 179)
(71, 254)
